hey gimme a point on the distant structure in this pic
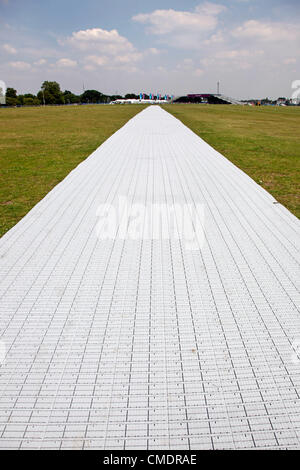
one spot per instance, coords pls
(142, 101)
(207, 98)
(281, 101)
(2, 92)
(153, 99)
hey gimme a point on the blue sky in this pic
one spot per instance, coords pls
(251, 46)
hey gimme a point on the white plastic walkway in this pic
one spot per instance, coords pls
(149, 344)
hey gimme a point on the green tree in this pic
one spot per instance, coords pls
(11, 101)
(11, 97)
(115, 97)
(28, 100)
(11, 93)
(31, 101)
(131, 96)
(70, 98)
(50, 93)
(20, 100)
(92, 96)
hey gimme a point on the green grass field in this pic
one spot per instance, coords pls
(40, 146)
(262, 141)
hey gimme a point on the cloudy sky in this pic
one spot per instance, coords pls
(251, 46)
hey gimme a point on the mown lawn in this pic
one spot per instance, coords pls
(40, 146)
(263, 141)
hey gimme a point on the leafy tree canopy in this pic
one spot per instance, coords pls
(131, 96)
(11, 93)
(92, 96)
(51, 93)
(71, 98)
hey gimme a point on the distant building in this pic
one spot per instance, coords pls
(281, 101)
(207, 98)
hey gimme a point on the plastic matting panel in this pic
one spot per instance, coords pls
(145, 343)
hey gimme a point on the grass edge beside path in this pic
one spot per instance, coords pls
(40, 146)
(264, 142)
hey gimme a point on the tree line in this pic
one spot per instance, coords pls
(51, 93)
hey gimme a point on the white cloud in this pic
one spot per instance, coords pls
(267, 31)
(161, 70)
(8, 48)
(237, 59)
(208, 8)
(108, 42)
(290, 60)
(103, 48)
(96, 60)
(89, 67)
(199, 72)
(161, 22)
(66, 63)
(238, 54)
(153, 51)
(208, 62)
(188, 61)
(216, 38)
(122, 61)
(19, 65)
(128, 58)
(185, 65)
(40, 62)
